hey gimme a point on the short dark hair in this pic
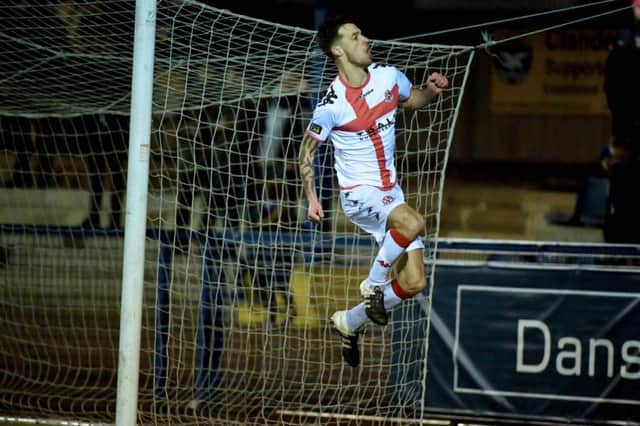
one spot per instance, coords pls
(328, 31)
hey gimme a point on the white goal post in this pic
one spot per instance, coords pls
(136, 217)
(236, 285)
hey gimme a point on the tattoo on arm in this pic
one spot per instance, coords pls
(307, 151)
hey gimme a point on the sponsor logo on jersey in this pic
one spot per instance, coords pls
(376, 129)
(315, 128)
(365, 94)
(387, 199)
(329, 97)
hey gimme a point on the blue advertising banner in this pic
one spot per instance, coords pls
(557, 343)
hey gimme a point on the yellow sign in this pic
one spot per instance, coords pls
(560, 72)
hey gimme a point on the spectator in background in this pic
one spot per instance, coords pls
(101, 141)
(18, 137)
(288, 110)
(272, 259)
(213, 159)
(107, 159)
(215, 145)
(622, 161)
(200, 165)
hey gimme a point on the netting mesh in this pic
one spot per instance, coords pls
(238, 285)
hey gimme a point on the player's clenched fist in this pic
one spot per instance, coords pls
(316, 214)
(437, 82)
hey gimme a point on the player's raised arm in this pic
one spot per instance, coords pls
(419, 97)
(307, 151)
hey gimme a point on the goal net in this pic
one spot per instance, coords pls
(238, 285)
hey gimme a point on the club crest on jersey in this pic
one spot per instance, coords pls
(387, 199)
(388, 96)
(315, 128)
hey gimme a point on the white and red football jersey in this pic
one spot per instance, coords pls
(361, 124)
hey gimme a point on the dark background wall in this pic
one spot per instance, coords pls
(534, 143)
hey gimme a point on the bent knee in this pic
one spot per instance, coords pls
(413, 285)
(418, 225)
(413, 226)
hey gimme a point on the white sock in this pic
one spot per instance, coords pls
(356, 317)
(391, 299)
(394, 295)
(393, 246)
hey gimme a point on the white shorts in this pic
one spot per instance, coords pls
(369, 207)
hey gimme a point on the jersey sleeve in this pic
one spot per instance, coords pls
(321, 124)
(404, 85)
